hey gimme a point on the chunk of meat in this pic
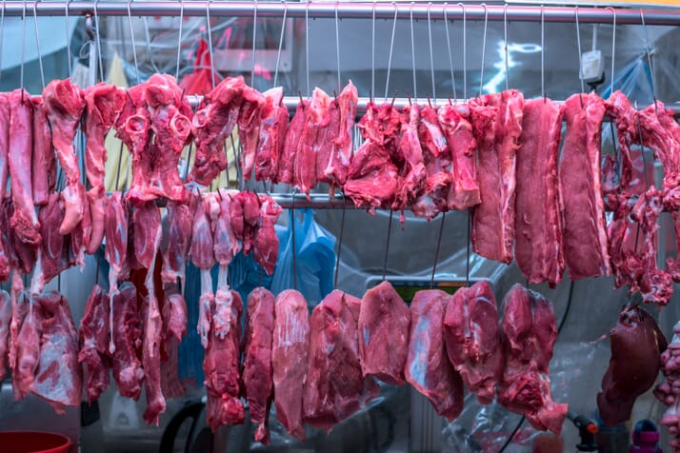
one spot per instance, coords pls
(5, 339)
(174, 317)
(286, 172)
(249, 127)
(127, 336)
(338, 165)
(326, 136)
(266, 247)
(412, 173)
(103, 104)
(624, 250)
(180, 217)
(372, 178)
(257, 360)
(384, 323)
(317, 117)
(203, 257)
(94, 343)
(5, 126)
(226, 244)
(244, 218)
(427, 368)
(44, 166)
(529, 334)
(290, 348)
(473, 341)
(58, 379)
(585, 228)
(53, 255)
(221, 363)
(26, 346)
(538, 222)
(497, 124)
(116, 248)
(636, 344)
(335, 387)
(24, 221)
(454, 121)
(63, 104)
(667, 392)
(273, 123)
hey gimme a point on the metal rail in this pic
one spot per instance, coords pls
(347, 10)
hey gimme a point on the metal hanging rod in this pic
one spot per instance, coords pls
(348, 10)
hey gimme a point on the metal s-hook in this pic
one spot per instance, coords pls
(543, 52)
(23, 49)
(252, 73)
(413, 55)
(309, 88)
(337, 43)
(429, 36)
(505, 40)
(448, 47)
(611, 81)
(389, 60)
(649, 60)
(462, 6)
(37, 43)
(210, 46)
(373, 52)
(68, 36)
(578, 42)
(283, 31)
(486, 23)
(179, 39)
(132, 39)
(98, 41)
(2, 32)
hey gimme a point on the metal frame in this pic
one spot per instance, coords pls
(353, 10)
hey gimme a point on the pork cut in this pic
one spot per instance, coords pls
(317, 117)
(5, 338)
(667, 392)
(497, 124)
(54, 252)
(636, 346)
(335, 172)
(116, 249)
(473, 341)
(94, 343)
(585, 229)
(180, 217)
(174, 322)
(127, 337)
(325, 139)
(44, 166)
(412, 172)
(26, 344)
(538, 221)
(273, 123)
(372, 177)
(286, 171)
(384, 323)
(266, 246)
(290, 348)
(257, 360)
(249, 127)
(529, 332)
(63, 104)
(427, 368)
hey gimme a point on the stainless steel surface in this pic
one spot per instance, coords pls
(350, 10)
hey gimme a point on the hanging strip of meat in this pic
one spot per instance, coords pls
(26, 345)
(273, 123)
(372, 177)
(103, 104)
(428, 369)
(257, 360)
(286, 171)
(180, 217)
(127, 336)
(266, 246)
(54, 257)
(325, 140)
(44, 168)
(63, 104)
(94, 336)
(585, 227)
(116, 250)
(338, 165)
(317, 117)
(538, 222)
(413, 173)
(5, 338)
(212, 124)
(668, 391)
(249, 128)
(290, 348)
(529, 334)
(5, 127)
(24, 221)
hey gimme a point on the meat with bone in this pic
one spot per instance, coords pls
(529, 334)
(454, 121)
(5, 339)
(214, 121)
(63, 104)
(257, 360)
(221, 363)
(266, 247)
(116, 250)
(170, 115)
(538, 221)
(103, 104)
(335, 172)
(585, 228)
(126, 335)
(384, 322)
(94, 343)
(44, 167)
(249, 127)
(412, 173)
(273, 123)
(636, 345)
(372, 177)
(497, 123)
(290, 348)
(24, 221)
(286, 171)
(668, 391)
(473, 341)
(180, 217)
(335, 387)
(317, 118)
(58, 379)
(437, 162)
(428, 369)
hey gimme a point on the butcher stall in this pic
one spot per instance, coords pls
(338, 226)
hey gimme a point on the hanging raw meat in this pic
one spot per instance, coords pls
(63, 104)
(454, 121)
(266, 246)
(384, 323)
(127, 337)
(221, 363)
(290, 348)
(538, 221)
(94, 343)
(55, 248)
(103, 104)
(338, 165)
(257, 360)
(636, 344)
(249, 128)
(244, 217)
(180, 217)
(372, 178)
(668, 391)
(174, 317)
(585, 228)
(5, 320)
(412, 172)
(291, 144)
(26, 343)
(213, 122)
(326, 136)
(529, 334)
(427, 368)
(273, 123)
(44, 166)
(116, 250)
(5, 127)
(58, 379)
(497, 124)
(473, 341)
(317, 117)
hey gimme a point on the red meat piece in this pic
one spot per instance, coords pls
(273, 123)
(127, 337)
(94, 343)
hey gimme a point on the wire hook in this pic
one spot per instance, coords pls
(309, 88)
(429, 36)
(389, 61)
(210, 44)
(68, 36)
(132, 39)
(179, 40)
(23, 48)
(337, 43)
(462, 5)
(413, 54)
(578, 42)
(448, 47)
(98, 41)
(37, 43)
(283, 31)
(252, 74)
(505, 41)
(611, 82)
(373, 51)
(649, 59)
(543, 52)
(486, 23)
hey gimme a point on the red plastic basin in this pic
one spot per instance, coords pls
(33, 442)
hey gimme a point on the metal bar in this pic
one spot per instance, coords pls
(348, 10)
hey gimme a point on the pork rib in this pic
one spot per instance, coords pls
(63, 103)
(94, 343)
(538, 222)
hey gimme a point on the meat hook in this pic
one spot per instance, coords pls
(292, 230)
(37, 43)
(372, 54)
(252, 73)
(505, 41)
(486, 24)
(436, 252)
(23, 49)
(179, 40)
(337, 43)
(649, 60)
(132, 40)
(387, 243)
(543, 54)
(68, 36)
(448, 47)
(413, 55)
(210, 46)
(578, 43)
(97, 38)
(2, 29)
(462, 6)
(389, 60)
(309, 89)
(429, 38)
(283, 31)
(611, 81)
(342, 230)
